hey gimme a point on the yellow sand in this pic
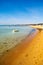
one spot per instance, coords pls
(32, 55)
(37, 26)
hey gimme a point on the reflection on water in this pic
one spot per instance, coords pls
(9, 39)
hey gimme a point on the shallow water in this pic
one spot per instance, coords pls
(9, 39)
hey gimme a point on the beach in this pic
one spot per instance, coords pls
(21, 32)
(21, 54)
(29, 52)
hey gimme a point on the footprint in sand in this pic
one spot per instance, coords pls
(26, 55)
(7, 50)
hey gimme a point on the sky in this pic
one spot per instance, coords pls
(21, 11)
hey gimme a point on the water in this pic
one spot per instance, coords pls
(9, 39)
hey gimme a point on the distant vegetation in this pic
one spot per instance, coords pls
(22, 24)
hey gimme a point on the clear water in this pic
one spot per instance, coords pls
(9, 39)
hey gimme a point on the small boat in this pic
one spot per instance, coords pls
(16, 30)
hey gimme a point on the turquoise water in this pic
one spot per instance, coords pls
(9, 39)
(6, 31)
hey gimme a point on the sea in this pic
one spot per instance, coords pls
(9, 38)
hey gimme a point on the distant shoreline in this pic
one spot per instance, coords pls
(20, 24)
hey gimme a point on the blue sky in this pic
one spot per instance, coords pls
(21, 11)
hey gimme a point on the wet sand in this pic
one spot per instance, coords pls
(29, 52)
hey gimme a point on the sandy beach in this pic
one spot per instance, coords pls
(29, 52)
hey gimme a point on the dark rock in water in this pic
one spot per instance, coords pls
(15, 30)
(4, 42)
(7, 50)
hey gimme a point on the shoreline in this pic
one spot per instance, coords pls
(19, 49)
